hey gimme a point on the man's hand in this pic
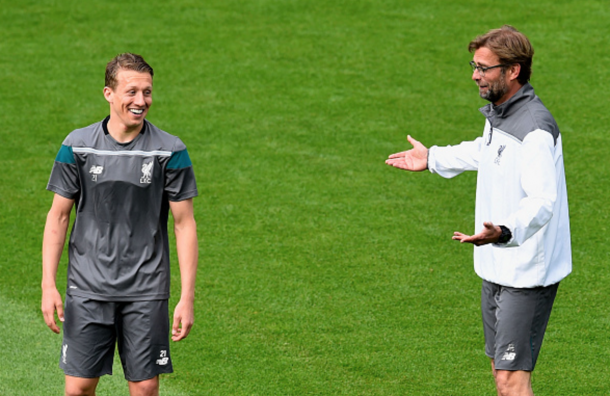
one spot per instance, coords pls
(415, 160)
(183, 320)
(489, 234)
(51, 302)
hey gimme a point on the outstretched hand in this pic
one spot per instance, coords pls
(415, 160)
(489, 234)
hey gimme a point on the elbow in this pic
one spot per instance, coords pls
(185, 225)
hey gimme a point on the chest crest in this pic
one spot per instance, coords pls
(147, 170)
(499, 157)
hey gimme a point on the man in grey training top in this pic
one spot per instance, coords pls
(522, 228)
(122, 175)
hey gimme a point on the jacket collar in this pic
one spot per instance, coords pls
(524, 95)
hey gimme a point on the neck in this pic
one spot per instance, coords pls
(123, 133)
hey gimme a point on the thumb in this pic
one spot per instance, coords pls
(412, 141)
(60, 310)
(176, 325)
(489, 225)
(60, 313)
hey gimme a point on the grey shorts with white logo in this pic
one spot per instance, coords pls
(514, 322)
(93, 329)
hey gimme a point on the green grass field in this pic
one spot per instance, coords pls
(323, 271)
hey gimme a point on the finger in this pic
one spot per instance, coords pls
(184, 332)
(50, 321)
(179, 335)
(176, 336)
(397, 155)
(396, 164)
(463, 238)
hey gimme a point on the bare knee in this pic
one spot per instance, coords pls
(144, 388)
(513, 383)
(76, 386)
(76, 391)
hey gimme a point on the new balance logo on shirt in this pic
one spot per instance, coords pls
(95, 171)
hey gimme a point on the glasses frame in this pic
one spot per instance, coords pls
(483, 69)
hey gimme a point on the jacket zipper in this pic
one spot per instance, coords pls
(491, 133)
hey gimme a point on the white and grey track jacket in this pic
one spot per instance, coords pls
(521, 185)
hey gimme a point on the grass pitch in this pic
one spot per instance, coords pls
(323, 271)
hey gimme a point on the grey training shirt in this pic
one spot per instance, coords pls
(119, 248)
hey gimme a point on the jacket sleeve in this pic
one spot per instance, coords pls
(539, 184)
(450, 161)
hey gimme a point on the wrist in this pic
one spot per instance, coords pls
(505, 235)
(48, 285)
(188, 297)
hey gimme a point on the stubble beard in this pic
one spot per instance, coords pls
(496, 90)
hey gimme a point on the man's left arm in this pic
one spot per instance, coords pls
(185, 229)
(539, 184)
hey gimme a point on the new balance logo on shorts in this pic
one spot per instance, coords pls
(510, 353)
(163, 358)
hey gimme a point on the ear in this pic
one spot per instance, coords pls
(513, 72)
(108, 94)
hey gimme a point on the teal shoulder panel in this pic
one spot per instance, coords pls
(65, 155)
(179, 160)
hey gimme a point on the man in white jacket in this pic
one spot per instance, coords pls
(522, 229)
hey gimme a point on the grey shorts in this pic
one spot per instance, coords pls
(514, 322)
(93, 329)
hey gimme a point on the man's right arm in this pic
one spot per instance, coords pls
(450, 161)
(55, 230)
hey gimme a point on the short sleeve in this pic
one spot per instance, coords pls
(64, 178)
(180, 181)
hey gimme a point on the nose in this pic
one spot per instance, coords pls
(139, 99)
(476, 75)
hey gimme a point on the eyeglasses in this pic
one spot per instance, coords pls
(482, 69)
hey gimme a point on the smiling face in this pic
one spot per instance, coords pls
(129, 101)
(498, 84)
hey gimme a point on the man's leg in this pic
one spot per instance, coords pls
(143, 344)
(144, 388)
(88, 344)
(76, 386)
(514, 322)
(512, 383)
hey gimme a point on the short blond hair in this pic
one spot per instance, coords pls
(126, 61)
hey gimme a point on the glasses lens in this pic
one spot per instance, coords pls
(475, 67)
